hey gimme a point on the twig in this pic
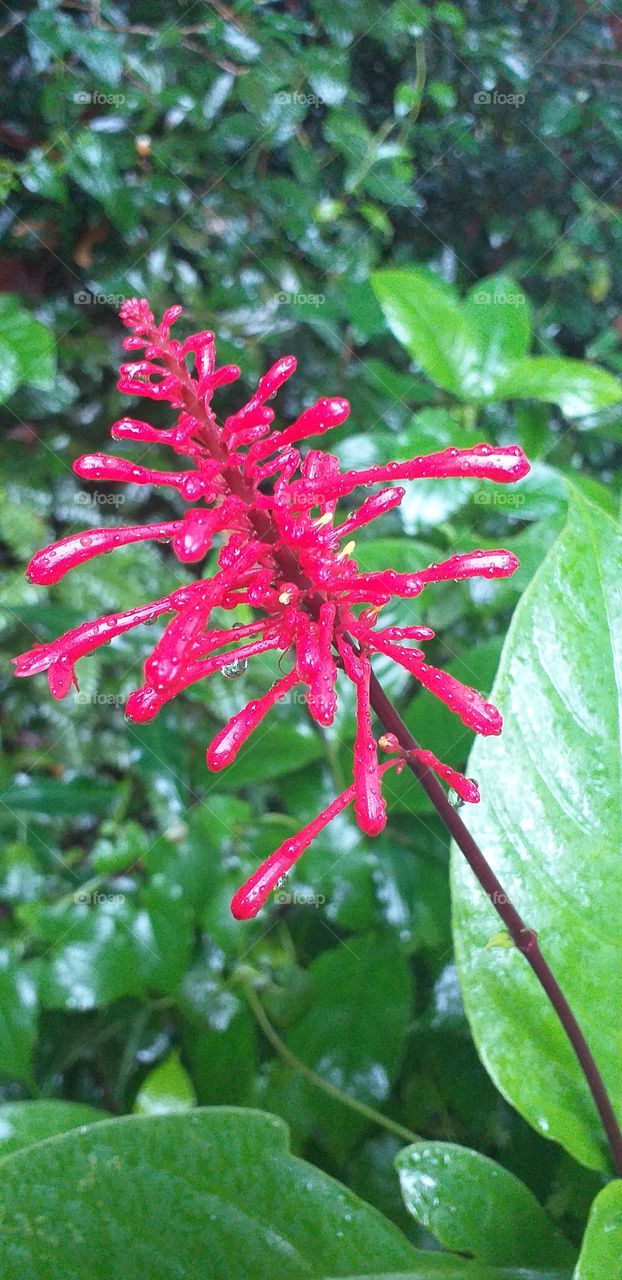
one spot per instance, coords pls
(524, 938)
(369, 1113)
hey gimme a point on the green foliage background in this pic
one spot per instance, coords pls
(260, 163)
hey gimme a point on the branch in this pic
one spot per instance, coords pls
(524, 938)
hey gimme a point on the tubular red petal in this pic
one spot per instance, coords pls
(89, 636)
(471, 564)
(322, 699)
(481, 462)
(225, 746)
(251, 896)
(369, 806)
(53, 562)
(143, 704)
(464, 787)
(473, 710)
(373, 507)
(318, 418)
(102, 466)
(60, 677)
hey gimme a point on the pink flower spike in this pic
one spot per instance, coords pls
(225, 746)
(135, 313)
(51, 564)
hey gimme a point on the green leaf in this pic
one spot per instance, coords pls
(427, 318)
(18, 1018)
(549, 821)
(601, 1251)
(577, 387)
(354, 1033)
(473, 1205)
(167, 1088)
(499, 313)
(22, 1124)
(172, 1195)
(93, 961)
(28, 349)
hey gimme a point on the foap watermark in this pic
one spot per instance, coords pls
(303, 299)
(86, 298)
(99, 699)
(299, 99)
(484, 499)
(83, 98)
(95, 897)
(300, 899)
(484, 298)
(483, 98)
(83, 499)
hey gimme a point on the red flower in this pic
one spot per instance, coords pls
(282, 553)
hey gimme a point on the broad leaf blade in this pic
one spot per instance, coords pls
(428, 319)
(209, 1193)
(549, 822)
(473, 1205)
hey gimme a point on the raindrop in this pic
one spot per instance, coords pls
(455, 800)
(233, 670)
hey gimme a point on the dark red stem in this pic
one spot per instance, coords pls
(524, 938)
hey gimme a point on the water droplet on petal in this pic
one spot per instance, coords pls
(233, 670)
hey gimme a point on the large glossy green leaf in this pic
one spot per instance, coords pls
(354, 1032)
(549, 823)
(426, 317)
(577, 387)
(22, 1124)
(601, 1251)
(475, 1206)
(212, 1193)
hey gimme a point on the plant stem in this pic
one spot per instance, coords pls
(524, 938)
(375, 1117)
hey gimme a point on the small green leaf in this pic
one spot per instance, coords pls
(473, 1205)
(427, 318)
(167, 1088)
(601, 1251)
(576, 386)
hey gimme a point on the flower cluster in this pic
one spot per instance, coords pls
(282, 552)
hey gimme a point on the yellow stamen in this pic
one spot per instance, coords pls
(347, 550)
